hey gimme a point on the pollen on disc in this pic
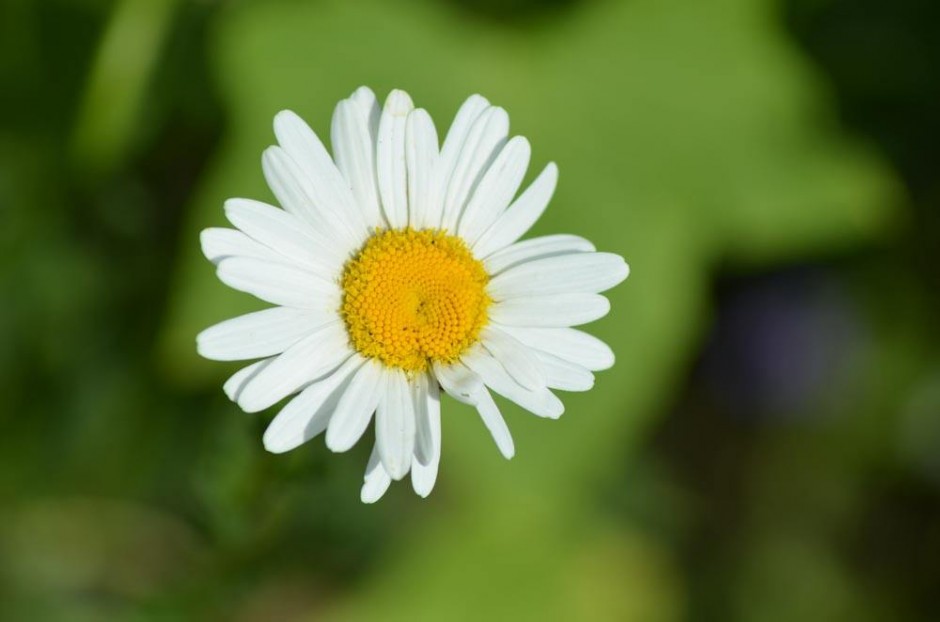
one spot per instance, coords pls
(413, 297)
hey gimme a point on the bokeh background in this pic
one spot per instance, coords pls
(767, 447)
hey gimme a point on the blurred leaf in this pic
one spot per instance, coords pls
(785, 578)
(74, 546)
(116, 87)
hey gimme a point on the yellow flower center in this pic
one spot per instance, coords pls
(413, 297)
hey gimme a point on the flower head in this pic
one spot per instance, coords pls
(396, 272)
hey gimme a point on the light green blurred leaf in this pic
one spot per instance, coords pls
(115, 94)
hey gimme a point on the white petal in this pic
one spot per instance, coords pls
(395, 425)
(219, 243)
(569, 344)
(469, 112)
(465, 385)
(308, 414)
(421, 153)
(519, 360)
(560, 374)
(494, 422)
(365, 98)
(542, 403)
(285, 234)
(327, 187)
(423, 476)
(581, 273)
(536, 248)
(298, 194)
(284, 178)
(376, 480)
(458, 381)
(487, 135)
(306, 361)
(278, 283)
(354, 149)
(556, 310)
(520, 216)
(390, 158)
(355, 408)
(420, 395)
(495, 190)
(258, 334)
(234, 386)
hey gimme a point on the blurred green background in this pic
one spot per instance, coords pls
(767, 447)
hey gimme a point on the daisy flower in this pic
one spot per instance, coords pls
(397, 273)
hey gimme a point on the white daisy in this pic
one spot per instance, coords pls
(396, 272)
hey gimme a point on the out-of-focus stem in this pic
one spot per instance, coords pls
(118, 82)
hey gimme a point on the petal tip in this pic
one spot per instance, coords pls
(368, 497)
(273, 444)
(206, 243)
(338, 444)
(286, 116)
(250, 405)
(399, 103)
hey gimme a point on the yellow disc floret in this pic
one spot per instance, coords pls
(413, 297)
